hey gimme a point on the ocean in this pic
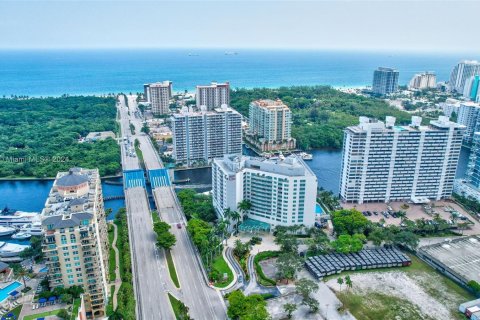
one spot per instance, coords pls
(75, 72)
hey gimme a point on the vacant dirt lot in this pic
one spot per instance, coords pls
(416, 292)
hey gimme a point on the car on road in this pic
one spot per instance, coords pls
(179, 226)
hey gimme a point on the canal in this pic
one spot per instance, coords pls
(31, 195)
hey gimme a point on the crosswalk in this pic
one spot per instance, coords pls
(133, 178)
(159, 178)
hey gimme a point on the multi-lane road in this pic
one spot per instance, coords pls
(152, 281)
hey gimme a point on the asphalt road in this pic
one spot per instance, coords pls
(150, 272)
(203, 301)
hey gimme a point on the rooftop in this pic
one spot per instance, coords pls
(66, 221)
(289, 166)
(191, 112)
(71, 179)
(366, 124)
(460, 255)
(56, 204)
(270, 104)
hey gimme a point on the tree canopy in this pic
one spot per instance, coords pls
(320, 113)
(349, 222)
(241, 307)
(39, 137)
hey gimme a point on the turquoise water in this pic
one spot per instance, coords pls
(6, 290)
(57, 72)
(318, 209)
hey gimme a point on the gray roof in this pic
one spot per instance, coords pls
(3, 266)
(59, 222)
(77, 201)
(71, 179)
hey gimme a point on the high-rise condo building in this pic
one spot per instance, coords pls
(450, 107)
(270, 123)
(385, 81)
(424, 80)
(473, 171)
(159, 95)
(213, 96)
(200, 136)
(472, 88)
(468, 115)
(281, 192)
(75, 243)
(383, 162)
(463, 71)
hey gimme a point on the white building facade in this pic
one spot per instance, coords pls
(463, 71)
(468, 116)
(281, 192)
(198, 137)
(385, 81)
(383, 162)
(450, 107)
(213, 96)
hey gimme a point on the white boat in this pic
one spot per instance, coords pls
(34, 228)
(306, 156)
(11, 249)
(18, 218)
(21, 236)
(6, 231)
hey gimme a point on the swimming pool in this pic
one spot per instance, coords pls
(44, 269)
(318, 209)
(5, 291)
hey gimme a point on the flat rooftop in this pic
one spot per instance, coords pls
(460, 255)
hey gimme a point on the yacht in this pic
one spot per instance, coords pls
(11, 249)
(21, 236)
(306, 156)
(17, 218)
(34, 228)
(6, 231)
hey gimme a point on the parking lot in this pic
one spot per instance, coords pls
(414, 212)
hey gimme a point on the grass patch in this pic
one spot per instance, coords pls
(262, 278)
(375, 306)
(243, 264)
(42, 315)
(221, 266)
(16, 311)
(109, 309)
(155, 217)
(179, 309)
(111, 258)
(76, 306)
(171, 269)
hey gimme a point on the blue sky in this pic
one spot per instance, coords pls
(376, 25)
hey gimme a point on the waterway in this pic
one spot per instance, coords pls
(31, 195)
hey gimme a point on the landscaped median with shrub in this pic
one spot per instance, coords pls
(261, 277)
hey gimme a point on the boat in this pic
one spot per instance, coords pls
(6, 231)
(13, 218)
(11, 249)
(231, 53)
(306, 156)
(21, 235)
(34, 228)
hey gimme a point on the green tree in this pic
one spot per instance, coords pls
(115, 315)
(349, 222)
(376, 236)
(66, 298)
(340, 282)
(288, 265)
(63, 314)
(305, 287)
(241, 307)
(348, 281)
(289, 309)
(311, 303)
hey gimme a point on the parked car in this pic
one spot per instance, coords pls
(179, 226)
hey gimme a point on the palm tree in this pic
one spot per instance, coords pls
(236, 217)
(348, 282)
(21, 272)
(244, 206)
(340, 282)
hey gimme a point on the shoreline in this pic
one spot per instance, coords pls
(48, 178)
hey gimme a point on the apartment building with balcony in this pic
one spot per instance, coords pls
(76, 241)
(270, 126)
(212, 96)
(281, 192)
(201, 136)
(384, 162)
